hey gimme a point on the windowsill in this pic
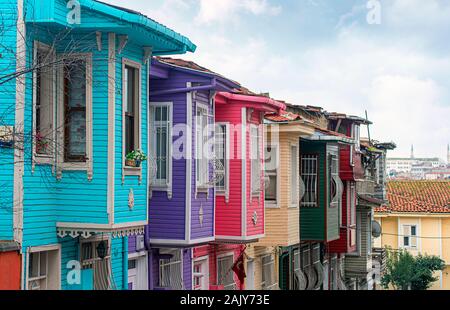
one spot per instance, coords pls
(159, 188)
(271, 205)
(221, 193)
(203, 189)
(41, 159)
(75, 166)
(294, 206)
(132, 171)
(256, 195)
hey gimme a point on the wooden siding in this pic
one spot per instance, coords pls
(7, 108)
(229, 214)
(361, 262)
(312, 220)
(282, 224)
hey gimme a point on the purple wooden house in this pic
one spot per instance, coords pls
(181, 208)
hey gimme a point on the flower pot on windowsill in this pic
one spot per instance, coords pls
(133, 163)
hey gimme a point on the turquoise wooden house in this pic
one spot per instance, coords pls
(74, 189)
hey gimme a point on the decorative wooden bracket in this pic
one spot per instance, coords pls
(98, 34)
(123, 41)
(148, 50)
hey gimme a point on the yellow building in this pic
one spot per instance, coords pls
(282, 203)
(418, 219)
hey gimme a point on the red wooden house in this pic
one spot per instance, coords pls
(350, 171)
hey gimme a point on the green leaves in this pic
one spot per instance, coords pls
(406, 272)
(136, 155)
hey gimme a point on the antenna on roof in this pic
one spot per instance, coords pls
(368, 126)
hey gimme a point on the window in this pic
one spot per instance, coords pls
(170, 270)
(221, 167)
(131, 97)
(225, 275)
(201, 281)
(75, 105)
(268, 273)
(43, 270)
(410, 236)
(44, 95)
(334, 181)
(294, 177)
(101, 267)
(161, 116)
(352, 212)
(255, 160)
(270, 166)
(357, 137)
(202, 147)
(310, 178)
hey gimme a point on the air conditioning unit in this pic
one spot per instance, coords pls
(140, 243)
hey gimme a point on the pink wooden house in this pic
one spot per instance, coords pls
(240, 148)
(239, 210)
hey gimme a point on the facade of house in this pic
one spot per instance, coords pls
(240, 214)
(364, 266)
(417, 219)
(282, 200)
(182, 187)
(78, 110)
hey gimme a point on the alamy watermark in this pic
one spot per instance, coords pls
(374, 12)
(74, 14)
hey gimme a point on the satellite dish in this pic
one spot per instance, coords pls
(376, 229)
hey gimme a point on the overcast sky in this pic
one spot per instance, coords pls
(325, 53)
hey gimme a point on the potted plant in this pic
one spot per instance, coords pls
(135, 158)
(41, 144)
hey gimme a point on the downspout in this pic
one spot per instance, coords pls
(211, 86)
(125, 263)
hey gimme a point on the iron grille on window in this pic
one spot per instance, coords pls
(310, 178)
(225, 274)
(170, 271)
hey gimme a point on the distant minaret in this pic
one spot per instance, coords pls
(448, 154)
(412, 151)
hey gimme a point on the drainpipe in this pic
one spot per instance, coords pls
(211, 86)
(150, 256)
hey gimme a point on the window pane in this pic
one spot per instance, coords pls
(33, 265)
(130, 90)
(309, 176)
(413, 231)
(406, 241)
(44, 101)
(77, 133)
(75, 110)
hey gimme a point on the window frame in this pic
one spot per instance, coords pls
(162, 263)
(87, 165)
(316, 158)
(267, 173)
(294, 199)
(202, 174)
(44, 159)
(255, 190)
(271, 264)
(222, 257)
(226, 144)
(132, 171)
(44, 249)
(410, 237)
(159, 186)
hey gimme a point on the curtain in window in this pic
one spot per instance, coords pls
(161, 140)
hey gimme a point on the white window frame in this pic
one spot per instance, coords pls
(357, 137)
(227, 286)
(255, 184)
(271, 265)
(295, 188)
(351, 192)
(410, 237)
(43, 249)
(202, 171)
(169, 263)
(44, 159)
(159, 185)
(132, 171)
(226, 191)
(203, 276)
(88, 164)
(267, 173)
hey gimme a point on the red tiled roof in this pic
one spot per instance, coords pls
(417, 196)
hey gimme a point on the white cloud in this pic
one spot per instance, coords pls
(225, 10)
